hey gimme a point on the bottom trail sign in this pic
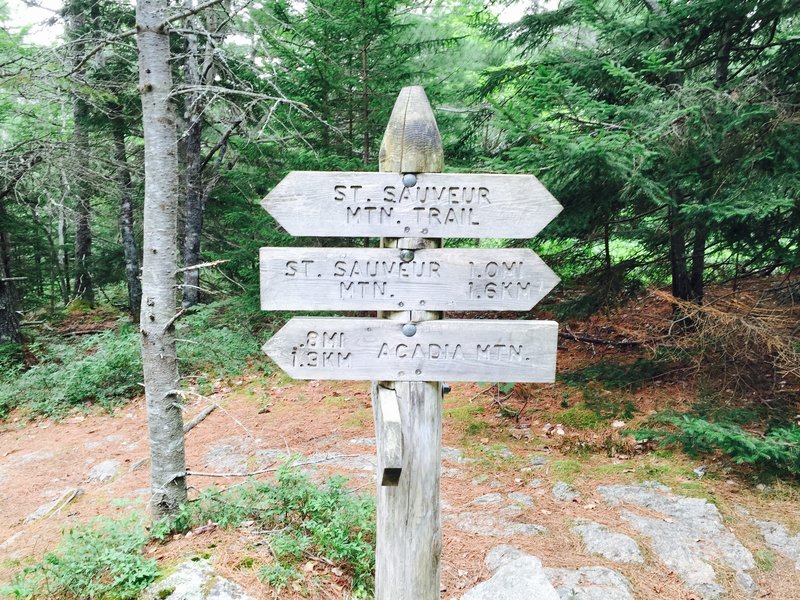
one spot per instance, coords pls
(379, 349)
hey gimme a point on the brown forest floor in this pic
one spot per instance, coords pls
(41, 459)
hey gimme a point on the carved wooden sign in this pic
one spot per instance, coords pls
(392, 279)
(379, 349)
(438, 205)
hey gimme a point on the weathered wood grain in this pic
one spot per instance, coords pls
(409, 526)
(389, 429)
(379, 278)
(439, 205)
(377, 349)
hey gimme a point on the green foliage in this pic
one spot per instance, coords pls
(776, 452)
(304, 519)
(579, 417)
(218, 339)
(221, 338)
(620, 376)
(102, 560)
(104, 368)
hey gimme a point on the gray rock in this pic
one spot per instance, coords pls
(104, 471)
(271, 455)
(511, 511)
(227, 457)
(28, 457)
(599, 539)
(519, 579)
(345, 461)
(538, 461)
(455, 455)
(363, 441)
(493, 525)
(535, 483)
(589, 583)
(491, 498)
(521, 499)
(452, 472)
(777, 537)
(687, 534)
(195, 580)
(564, 492)
(500, 555)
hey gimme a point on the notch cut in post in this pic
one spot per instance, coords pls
(389, 430)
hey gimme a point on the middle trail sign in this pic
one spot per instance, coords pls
(392, 279)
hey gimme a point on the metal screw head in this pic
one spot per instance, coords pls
(409, 329)
(409, 180)
(407, 255)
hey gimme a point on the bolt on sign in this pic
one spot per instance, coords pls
(411, 205)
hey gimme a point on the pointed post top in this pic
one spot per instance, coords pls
(412, 143)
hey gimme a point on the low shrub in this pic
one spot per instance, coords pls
(776, 452)
(301, 520)
(102, 560)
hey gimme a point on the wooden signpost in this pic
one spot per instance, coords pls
(409, 350)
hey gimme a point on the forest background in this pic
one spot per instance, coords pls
(668, 130)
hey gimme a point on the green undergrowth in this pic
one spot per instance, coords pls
(295, 518)
(214, 340)
(776, 452)
(102, 560)
(300, 520)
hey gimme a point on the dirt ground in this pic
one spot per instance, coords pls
(42, 461)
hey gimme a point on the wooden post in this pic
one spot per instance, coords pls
(409, 532)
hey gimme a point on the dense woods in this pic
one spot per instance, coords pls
(668, 129)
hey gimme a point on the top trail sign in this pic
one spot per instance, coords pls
(430, 205)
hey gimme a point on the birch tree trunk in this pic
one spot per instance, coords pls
(167, 458)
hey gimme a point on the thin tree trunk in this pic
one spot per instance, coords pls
(130, 250)
(9, 319)
(63, 254)
(83, 287)
(365, 92)
(193, 208)
(677, 254)
(167, 456)
(698, 259)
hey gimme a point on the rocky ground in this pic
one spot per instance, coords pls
(520, 519)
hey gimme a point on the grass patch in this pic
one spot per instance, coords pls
(566, 470)
(579, 417)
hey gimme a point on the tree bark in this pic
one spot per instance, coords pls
(130, 250)
(193, 207)
(83, 287)
(677, 253)
(698, 260)
(165, 422)
(9, 318)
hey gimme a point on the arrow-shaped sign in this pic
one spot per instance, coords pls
(436, 205)
(379, 349)
(388, 278)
